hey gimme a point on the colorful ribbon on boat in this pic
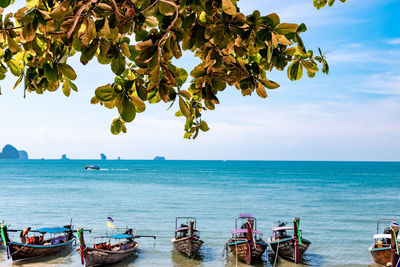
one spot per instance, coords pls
(3, 236)
(9, 251)
(82, 250)
(298, 232)
(395, 240)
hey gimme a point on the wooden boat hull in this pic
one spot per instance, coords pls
(381, 256)
(21, 251)
(287, 248)
(245, 253)
(186, 245)
(100, 257)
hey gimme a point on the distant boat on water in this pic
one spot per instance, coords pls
(159, 158)
(91, 167)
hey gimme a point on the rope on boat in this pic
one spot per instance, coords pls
(276, 254)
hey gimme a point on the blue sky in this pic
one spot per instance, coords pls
(351, 114)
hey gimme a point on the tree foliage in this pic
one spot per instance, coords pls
(139, 39)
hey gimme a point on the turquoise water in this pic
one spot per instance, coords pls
(338, 203)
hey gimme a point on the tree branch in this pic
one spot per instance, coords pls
(77, 15)
(173, 22)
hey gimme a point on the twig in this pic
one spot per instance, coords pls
(172, 23)
(116, 8)
(77, 15)
(147, 8)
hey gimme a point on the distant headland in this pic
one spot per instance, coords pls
(10, 152)
(159, 158)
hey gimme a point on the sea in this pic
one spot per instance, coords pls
(338, 203)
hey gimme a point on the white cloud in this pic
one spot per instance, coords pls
(384, 83)
(395, 41)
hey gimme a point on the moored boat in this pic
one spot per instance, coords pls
(187, 237)
(119, 247)
(380, 249)
(246, 242)
(38, 246)
(290, 246)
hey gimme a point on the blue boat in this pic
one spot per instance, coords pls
(46, 242)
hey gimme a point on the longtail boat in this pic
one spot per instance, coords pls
(246, 242)
(118, 248)
(60, 240)
(187, 237)
(381, 249)
(91, 167)
(290, 246)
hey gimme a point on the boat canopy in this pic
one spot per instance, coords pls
(119, 236)
(378, 236)
(53, 230)
(245, 231)
(246, 215)
(282, 228)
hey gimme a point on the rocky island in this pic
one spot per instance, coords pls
(10, 152)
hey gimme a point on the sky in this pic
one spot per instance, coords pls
(351, 114)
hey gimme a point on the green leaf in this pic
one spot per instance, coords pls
(66, 89)
(118, 64)
(295, 71)
(125, 49)
(116, 126)
(274, 18)
(5, 3)
(203, 17)
(28, 32)
(12, 44)
(319, 3)
(184, 108)
(182, 76)
(105, 93)
(141, 92)
(67, 71)
(166, 9)
(285, 28)
(228, 7)
(73, 86)
(309, 66)
(260, 90)
(88, 53)
(128, 110)
(50, 72)
(204, 126)
(18, 81)
(140, 106)
(330, 3)
(269, 84)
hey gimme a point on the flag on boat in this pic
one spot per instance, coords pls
(109, 222)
